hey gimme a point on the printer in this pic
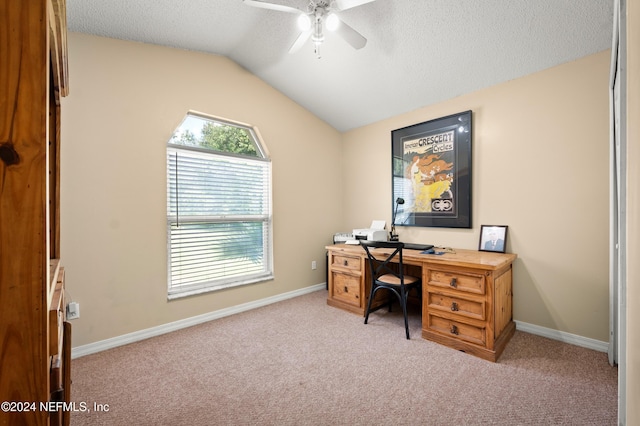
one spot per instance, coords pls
(374, 233)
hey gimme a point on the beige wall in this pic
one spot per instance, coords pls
(540, 159)
(540, 166)
(126, 99)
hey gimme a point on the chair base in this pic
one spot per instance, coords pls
(400, 296)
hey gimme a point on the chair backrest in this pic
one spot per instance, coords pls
(381, 263)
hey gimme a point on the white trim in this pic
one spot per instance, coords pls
(137, 336)
(573, 339)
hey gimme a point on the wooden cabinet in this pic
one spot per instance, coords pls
(346, 281)
(468, 308)
(59, 348)
(466, 296)
(349, 283)
(35, 338)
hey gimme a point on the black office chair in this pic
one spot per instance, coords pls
(384, 275)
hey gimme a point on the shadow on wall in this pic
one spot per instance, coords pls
(530, 304)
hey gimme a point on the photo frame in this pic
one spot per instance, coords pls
(493, 238)
(431, 173)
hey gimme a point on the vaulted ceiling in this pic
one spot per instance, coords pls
(418, 52)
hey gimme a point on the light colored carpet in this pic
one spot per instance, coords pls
(301, 362)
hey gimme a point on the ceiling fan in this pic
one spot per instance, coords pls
(311, 20)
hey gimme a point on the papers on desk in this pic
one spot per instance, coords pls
(378, 224)
(352, 242)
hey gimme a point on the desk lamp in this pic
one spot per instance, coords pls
(392, 235)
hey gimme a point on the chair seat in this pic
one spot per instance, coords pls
(392, 279)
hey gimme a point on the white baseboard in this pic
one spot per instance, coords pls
(573, 339)
(187, 322)
(136, 336)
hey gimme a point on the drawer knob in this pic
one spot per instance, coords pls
(454, 306)
(454, 330)
(454, 282)
(346, 263)
(346, 290)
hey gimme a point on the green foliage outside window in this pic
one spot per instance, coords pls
(218, 137)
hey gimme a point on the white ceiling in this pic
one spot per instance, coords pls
(419, 52)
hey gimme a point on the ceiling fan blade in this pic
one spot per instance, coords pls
(300, 41)
(348, 4)
(351, 36)
(272, 6)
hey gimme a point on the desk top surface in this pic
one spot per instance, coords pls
(461, 257)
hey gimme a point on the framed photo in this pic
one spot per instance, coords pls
(431, 173)
(493, 238)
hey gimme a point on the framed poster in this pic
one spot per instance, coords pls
(431, 172)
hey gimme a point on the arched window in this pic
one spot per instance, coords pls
(219, 223)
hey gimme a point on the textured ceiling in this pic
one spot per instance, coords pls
(419, 52)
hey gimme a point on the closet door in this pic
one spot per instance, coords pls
(618, 191)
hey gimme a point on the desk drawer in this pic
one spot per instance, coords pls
(445, 303)
(469, 282)
(457, 330)
(348, 262)
(346, 288)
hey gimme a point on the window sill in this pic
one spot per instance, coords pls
(179, 294)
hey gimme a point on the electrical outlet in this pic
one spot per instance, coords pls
(73, 310)
(314, 265)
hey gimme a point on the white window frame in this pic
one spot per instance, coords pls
(181, 287)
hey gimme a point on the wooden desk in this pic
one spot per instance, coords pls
(467, 296)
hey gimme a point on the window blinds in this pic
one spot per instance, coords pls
(218, 218)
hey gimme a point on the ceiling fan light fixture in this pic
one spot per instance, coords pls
(333, 22)
(304, 22)
(319, 14)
